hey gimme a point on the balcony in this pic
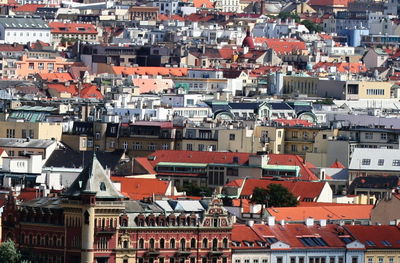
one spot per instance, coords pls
(153, 252)
(105, 230)
(216, 252)
(183, 252)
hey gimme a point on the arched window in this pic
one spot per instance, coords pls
(141, 243)
(38, 241)
(162, 243)
(193, 243)
(46, 240)
(225, 243)
(183, 243)
(54, 241)
(172, 243)
(205, 243)
(151, 242)
(215, 244)
(30, 239)
(126, 244)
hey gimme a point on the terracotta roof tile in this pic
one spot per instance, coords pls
(152, 71)
(139, 188)
(72, 28)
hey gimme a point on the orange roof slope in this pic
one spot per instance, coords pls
(373, 237)
(90, 91)
(153, 85)
(337, 164)
(281, 46)
(61, 77)
(340, 212)
(139, 188)
(151, 71)
(28, 8)
(72, 28)
(301, 189)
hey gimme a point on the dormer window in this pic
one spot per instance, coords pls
(236, 243)
(249, 243)
(103, 186)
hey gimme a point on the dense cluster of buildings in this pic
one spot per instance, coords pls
(143, 131)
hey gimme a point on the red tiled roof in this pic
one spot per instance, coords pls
(11, 47)
(331, 212)
(153, 71)
(336, 3)
(28, 8)
(90, 91)
(337, 164)
(374, 236)
(152, 85)
(203, 4)
(72, 28)
(242, 233)
(198, 157)
(291, 233)
(28, 194)
(281, 46)
(145, 164)
(60, 77)
(342, 67)
(62, 88)
(139, 188)
(294, 122)
(301, 189)
(290, 159)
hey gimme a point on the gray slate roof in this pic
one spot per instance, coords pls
(93, 179)
(21, 22)
(24, 143)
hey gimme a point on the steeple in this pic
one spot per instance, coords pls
(94, 179)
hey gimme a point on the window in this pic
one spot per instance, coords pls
(264, 260)
(294, 148)
(391, 259)
(279, 260)
(172, 243)
(301, 259)
(231, 137)
(171, 260)
(165, 146)
(292, 259)
(331, 259)
(255, 260)
(368, 135)
(50, 66)
(381, 162)
(340, 259)
(313, 241)
(215, 244)
(380, 259)
(189, 147)
(294, 134)
(41, 66)
(396, 163)
(193, 243)
(366, 161)
(370, 260)
(151, 243)
(205, 243)
(354, 259)
(225, 243)
(383, 136)
(183, 244)
(125, 145)
(162, 243)
(141, 243)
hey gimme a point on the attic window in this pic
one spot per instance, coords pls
(346, 240)
(261, 243)
(272, 240)
(386, 243)
(370, 243)
(103, 186)
(63, 29)
(236, 243)
(81, 29)
(313, 242)
(249, 244)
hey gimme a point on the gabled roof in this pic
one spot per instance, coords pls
(60, 77)
(384, 236)
(246, 237)
(72, 28)
(291, 234)
(90, 91)
(139, 188)
(152, 71)
(197, 157)
(374, 182)
(27, 8)
(281, 46)
(337, 164)
(331, 212)
(301, 189)
(94, 180)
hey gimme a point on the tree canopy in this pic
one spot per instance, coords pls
(8, 252)
(195, 190)
(274, 195)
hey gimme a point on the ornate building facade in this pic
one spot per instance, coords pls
(93, 222)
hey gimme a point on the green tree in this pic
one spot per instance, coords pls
(286, 15)
(311, 26)
(195, 190)
(8, 252)
(274, 195)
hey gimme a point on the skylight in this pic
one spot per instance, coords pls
(386, 243)
(313, 241)
(370, 243)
